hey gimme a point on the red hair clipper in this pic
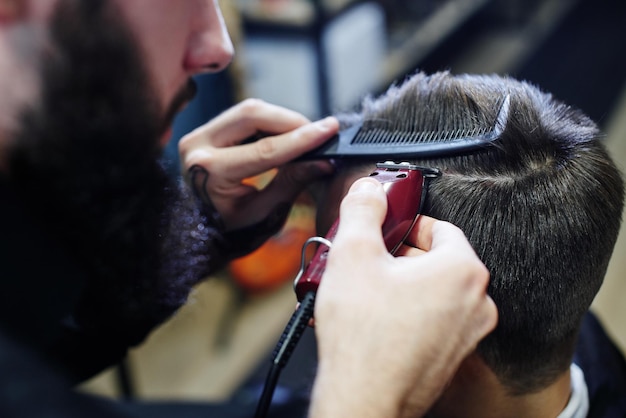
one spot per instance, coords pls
(404, 185)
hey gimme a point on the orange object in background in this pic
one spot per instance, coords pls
(278, 260)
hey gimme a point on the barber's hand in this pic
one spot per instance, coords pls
(215, 163)
(393, 330)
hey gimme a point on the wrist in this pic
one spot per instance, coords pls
(341, 392)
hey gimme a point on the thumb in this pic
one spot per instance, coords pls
(362, 212)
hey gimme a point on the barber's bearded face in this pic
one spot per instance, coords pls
(86, 157)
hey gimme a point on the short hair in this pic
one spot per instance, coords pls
(541, 207)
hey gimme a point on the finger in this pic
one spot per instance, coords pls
(409, 251)
(281, 191)
(485, 320)
(421, 235)
(251, 159)
(300, 174)
(429, 233)
(292, 178)
(447, 236)
(248, 118)
(362, 212)
(491, 316)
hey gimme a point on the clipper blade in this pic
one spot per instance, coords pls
(360, 142)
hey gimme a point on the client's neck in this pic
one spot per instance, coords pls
(475, 391)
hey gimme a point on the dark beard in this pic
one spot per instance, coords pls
(86, 161)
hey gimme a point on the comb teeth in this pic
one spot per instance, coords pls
(367, 142)
(382, 136)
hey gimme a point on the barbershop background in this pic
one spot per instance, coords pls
(321, 56)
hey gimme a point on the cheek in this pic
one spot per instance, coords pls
(161, 30)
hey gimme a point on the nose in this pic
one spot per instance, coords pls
(209, 48)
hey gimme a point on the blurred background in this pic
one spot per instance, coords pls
(323, 56)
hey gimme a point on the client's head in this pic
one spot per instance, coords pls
(541, 206)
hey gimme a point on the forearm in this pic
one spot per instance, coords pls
(338, 394)
(375, 381)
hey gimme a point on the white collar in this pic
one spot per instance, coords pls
(578, 404)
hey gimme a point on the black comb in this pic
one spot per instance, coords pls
(358, 141)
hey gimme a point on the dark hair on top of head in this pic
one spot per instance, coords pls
(542, 208)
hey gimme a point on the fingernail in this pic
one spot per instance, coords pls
(326, 123)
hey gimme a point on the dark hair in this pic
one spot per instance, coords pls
(542, 209)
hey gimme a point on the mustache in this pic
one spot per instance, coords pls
(186, 94)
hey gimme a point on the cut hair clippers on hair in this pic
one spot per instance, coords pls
(541, 205)
(529, 182)
(406, 187)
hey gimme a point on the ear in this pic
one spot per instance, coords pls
(11, 11)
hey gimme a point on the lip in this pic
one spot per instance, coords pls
(166, 137)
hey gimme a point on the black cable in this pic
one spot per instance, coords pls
(287, 343)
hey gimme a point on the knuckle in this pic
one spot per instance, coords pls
(200, 158)
(185, 145)
(266, 148)
(482, 270)
(250, 107)
(451, 227)
(194, 145)
(478, 276)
